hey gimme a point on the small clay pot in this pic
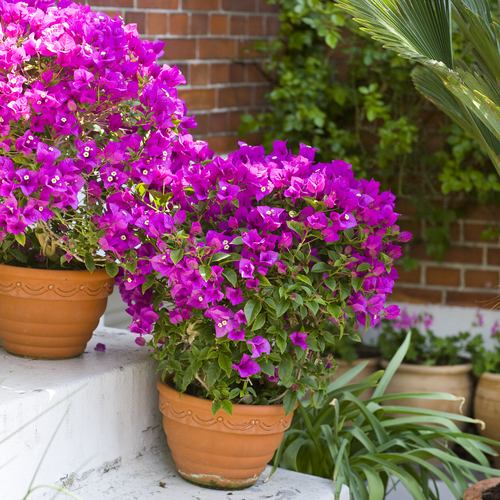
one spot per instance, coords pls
(487, 408)
(48, 314)
(220, 451)
(453, 379)
(476, 490)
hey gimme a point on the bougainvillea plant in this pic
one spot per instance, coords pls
(84, 110)
(249, 265)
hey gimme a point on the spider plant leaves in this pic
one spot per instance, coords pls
(416, 29)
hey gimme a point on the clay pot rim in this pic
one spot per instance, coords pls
(24, 271)
(206, 404)
(493, 377)
(372, 361)
(475, 491)
(427, 370)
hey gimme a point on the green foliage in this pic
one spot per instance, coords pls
(338, 90)
(359, 444)
(485, 360)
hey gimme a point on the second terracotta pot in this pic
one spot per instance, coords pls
(369, 369)
(220, 451)
(453, 379)
(487, 408)
(48, 314)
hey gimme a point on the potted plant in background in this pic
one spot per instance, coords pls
(487, 396)
(80, 97)
(431, 361)
(261, 260)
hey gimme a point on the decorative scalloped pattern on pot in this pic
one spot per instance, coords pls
(221, 451)
(50, 314)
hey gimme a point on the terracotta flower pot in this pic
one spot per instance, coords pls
(221, 451)
(50, 314)
(453, 379)
(476, 490)
(487, 408)
(369, 369)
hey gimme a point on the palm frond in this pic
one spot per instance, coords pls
(416, 29)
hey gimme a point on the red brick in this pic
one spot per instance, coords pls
(217, 48)
(405, 207)
(472, 299)
(218, 122)
(246, 49)
(180, 49)
(111, 3)
(199, 24)
(178, 24)
(252, 139)
(184, 69)
(199, 74)
(223, 143)
(265, 6)
(272, 26)
(219, 25)
(412, 276)
(455, 231)
(493, 257)
(260, 95)
(416, 296)
(138, 18)
(234, 96)
(202, 122)
(200, 4)
(219, 73)
(256, 25)
(414, 227)
(481, 279)
(472, 232)
(442, 276)
(158, 4)
(239, 25)
(240, 5)
(464, 255)
(198, 98)
(157, 24)
(112, 13)
(236, 73)
(254, 74)
(481, 212)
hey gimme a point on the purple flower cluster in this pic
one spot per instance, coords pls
(84, 110)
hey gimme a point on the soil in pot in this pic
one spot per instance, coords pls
(492, 493)
(479, 490)
(220, 451)
(47, 314)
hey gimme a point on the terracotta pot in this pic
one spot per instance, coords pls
(453, 379)
(369, 369)
(50, 314)
(487, 408)
(476, 490)
(221, 451)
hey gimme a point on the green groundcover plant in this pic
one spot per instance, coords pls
(426, 348)
(359, 443)
(488, 360)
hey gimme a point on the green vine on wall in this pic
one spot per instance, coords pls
(340, 91)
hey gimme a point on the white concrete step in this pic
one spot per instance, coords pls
(92, 423)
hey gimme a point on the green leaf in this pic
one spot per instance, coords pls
(227, 406)
(320, 267)
(219, 256)
(303, 278)
(285, 368)
(213, 373)
(357, 283)
(252, 309)
(150, 279)
(282, 307)
(20, 238)
(362, 267)
(289, 401)
(230, 276)
(331, 283)
(237, 241)
(111, 268)
(334, 310)
(313, 306)
(281, 343)
(267, 367)
(89, 262)
(345, 290)
(216, 406)
(18, 255)
(259, 322)
(177, 255)
(206, 272)
(225, 364)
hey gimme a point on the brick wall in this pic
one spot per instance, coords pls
(470, 271)
(208, 40)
